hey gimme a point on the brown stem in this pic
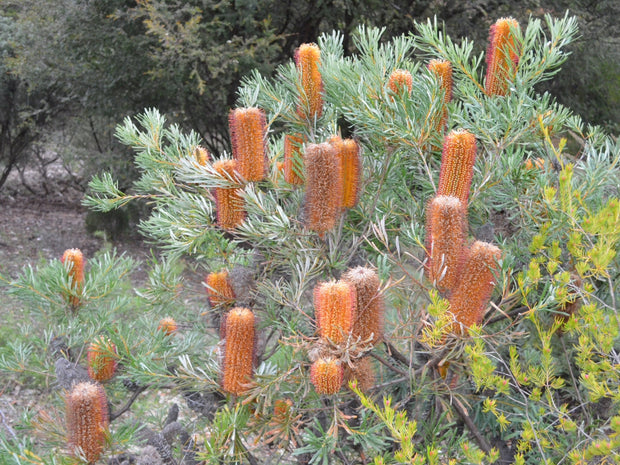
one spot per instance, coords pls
(134, 396)
(395, 354)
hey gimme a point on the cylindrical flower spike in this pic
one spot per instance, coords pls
(370, 307)
(323, 187)
(202, 155)
(502, 56)
(239, 350)
(457, 164)
(101, 356)
(400, 79)
(293, 159)
(446, 226)
(75, 261)
(248, 131)
(348, 150)
(219, 289)
(442, 69)
(167, 325)
(308, 60)
(335, 309)
(326, 374)
(362, 373)
(229, 202)
(87, 420)
(471, 296)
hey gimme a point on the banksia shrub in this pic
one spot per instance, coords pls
(335, 309)
(400, 79)
(348, 150)
(75, 261)
(323, 187)
(442, 69)
(457, 164)
(219, 289)
(293, 159)
(362, 373)
(248, 131)
(202, 155)
(87, 420)
(308, 60)
(327, 375)
(167, 325)
(370, 307)
(229, 202)
(239, 350)
(471, 296)
(445, 240)
(101, 356)
(502, 57)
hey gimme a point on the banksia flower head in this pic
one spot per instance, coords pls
(446, 234)
(502, 56)
(323, 187)
(327, 374)
(229, 202)
(442, 69)
(202, 155)
(348, 150)
(293, 159)
(308, 60)
(248, 131)
(239, 350)
(457, 164)
(219, 289)
(167, 325)
(87, 420)
(335, 309)
(101, 356)
(75, 261)
(361, 373)
(400, 79)
(370, 307)
(471, 296)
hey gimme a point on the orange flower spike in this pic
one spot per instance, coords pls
(101, 357)
(457, 164)
(308, 60)
(229, 202)
(501, 57)
(87, 420)
(348, 150)
(248, 131)
(219, 289)
(75, 259)
(327, 375)
(470, 298)
(293, 159)
(400, 79)
(323, 187)
(442, 69)
(446, 234)
(239, 350)
(167, 326)
(201, 155)
(335, 309)
(370, 307)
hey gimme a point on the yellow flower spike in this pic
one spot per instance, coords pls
(457, 164)
(308, 60)
(335, 309)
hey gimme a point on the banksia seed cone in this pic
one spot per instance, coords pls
(308, 60)
(76, 271)
(248, 130)
(502, 57)
(326, 374)
(87, 420)
(323, 187)
(400, 79)
(101, 356)
(446, 234)
(443, 70)
(370, 306)
(457, 164)
(229, 202)
(219, 290)
(167, 326)
(239, 350)
(202, 155)
(293, 159)
(472, 294)
(335, 309)
(362, 373)
(349, 153)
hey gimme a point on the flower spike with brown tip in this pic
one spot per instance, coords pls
(335, 309)
(75, 262)
(370, 307)
(471, 296)
(308, 60)
(293, 159)
(327, 374)
(457, 164)
(219, 289)
(502, 56)
(229, 202)
(361, 373)
(442, 69)
(239, 350)
(87, 420)
(101, 356)
(400, 79)
(248, 131)
(348, 150)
